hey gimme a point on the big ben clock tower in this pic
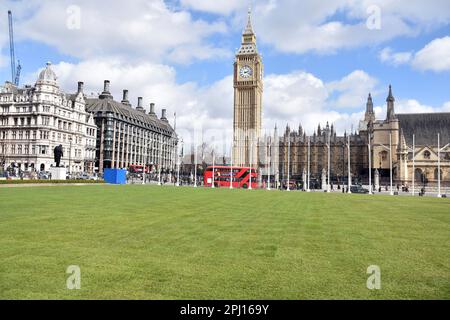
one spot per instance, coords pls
(248, 90)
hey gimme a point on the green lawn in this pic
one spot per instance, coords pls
(143, 242)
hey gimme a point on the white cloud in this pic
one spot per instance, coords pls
(435, 56)
(329, 25)
(144, 30)
(395, 58)
(352, 89)
(291, 95)
(224, 7)
(411, 106)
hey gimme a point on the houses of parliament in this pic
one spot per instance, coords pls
(413, 145)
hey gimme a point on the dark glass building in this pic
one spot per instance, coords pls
(129, 136)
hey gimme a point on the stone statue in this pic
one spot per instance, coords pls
(58, 154)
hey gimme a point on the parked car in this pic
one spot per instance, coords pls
(43, 175)
(359, 189)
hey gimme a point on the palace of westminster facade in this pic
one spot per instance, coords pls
(413, 138)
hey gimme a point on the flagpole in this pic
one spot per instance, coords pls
(160, 159)
(390, 158)
(414, 166)
(349, 168)
(289, 163)
(329, 162)
(213, 167)
(251, 164)
(370, 166)
(178, 167)
(195, 164)
(309, 164)
(231, 166)
(439, 166)
(269, 159)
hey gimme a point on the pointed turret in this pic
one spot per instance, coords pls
(390, 97)
(390, 106)
(370, 114)
(300, 130)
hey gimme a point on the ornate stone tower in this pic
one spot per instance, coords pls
(382, 132)
(248, 91)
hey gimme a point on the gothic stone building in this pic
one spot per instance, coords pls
(414, 149)
(130, 136)
(34, 120)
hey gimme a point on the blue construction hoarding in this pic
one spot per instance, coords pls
(115, 176)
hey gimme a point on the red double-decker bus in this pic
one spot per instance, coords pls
(138, 169)
(224, 175)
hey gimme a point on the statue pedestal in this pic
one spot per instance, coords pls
(377, 180)
(58, 173)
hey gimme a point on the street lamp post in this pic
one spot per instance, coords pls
(349, 167)
(268, 175)
(231, 165)
(289, 164)
(70, 154)
(309, 165)
(370, 165)
(413, 150)
(213, 168)
(179, 163)
(439, 166)
(390, 162)
(195, 165)
(160, 160)
(329, 161)
(251, 163)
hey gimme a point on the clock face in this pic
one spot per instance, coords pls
(246, 72)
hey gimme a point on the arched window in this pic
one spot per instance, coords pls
(419, 175)
(383, 155)
(427, 155)
(436, 174)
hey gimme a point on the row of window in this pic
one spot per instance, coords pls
(34, 150)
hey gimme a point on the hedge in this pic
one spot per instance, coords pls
(51, 181)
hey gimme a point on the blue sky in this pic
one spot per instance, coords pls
(321, 58)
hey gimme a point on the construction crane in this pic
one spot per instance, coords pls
(15, 73)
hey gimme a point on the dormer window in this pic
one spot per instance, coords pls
(427, 155)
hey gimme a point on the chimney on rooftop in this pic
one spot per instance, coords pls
(80, 87)
(152, 109)
(125, 97)
(139, 106)
(106, 86)
(106, 94)
(163, 115)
